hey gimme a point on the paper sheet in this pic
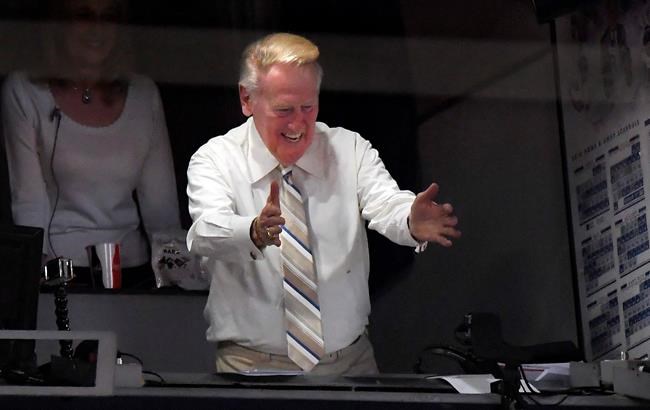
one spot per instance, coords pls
(469, 383)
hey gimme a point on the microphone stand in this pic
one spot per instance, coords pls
(58, 273)
(65, 369)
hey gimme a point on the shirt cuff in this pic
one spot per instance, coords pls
(421, 247)
(241, 235)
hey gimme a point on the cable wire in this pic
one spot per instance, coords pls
(56, 113)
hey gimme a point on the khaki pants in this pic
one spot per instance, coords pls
(355, 360)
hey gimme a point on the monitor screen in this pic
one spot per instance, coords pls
(20, 271)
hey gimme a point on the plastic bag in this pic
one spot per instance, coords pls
(173, 264)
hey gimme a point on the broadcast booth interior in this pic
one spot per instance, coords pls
(463, 94)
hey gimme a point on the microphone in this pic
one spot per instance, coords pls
(56, 113)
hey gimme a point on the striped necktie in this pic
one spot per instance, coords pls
(301, 307)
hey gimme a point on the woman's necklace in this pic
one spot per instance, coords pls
(86, 95)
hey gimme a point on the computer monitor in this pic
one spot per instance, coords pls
(21, 248)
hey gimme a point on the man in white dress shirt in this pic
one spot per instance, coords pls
(233, 189)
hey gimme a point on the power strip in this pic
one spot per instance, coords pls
(632, 382)
(128, 375)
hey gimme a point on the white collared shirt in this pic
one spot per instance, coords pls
(343, 181)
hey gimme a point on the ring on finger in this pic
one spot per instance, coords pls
(269, 235)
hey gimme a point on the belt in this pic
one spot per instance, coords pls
(333, 355)
(340, 352)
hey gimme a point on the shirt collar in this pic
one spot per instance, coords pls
(261, 161)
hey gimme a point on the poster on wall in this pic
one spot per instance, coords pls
(603, 52)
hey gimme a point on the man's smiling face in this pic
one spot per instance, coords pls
(284, 109)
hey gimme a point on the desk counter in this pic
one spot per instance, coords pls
(201, 391)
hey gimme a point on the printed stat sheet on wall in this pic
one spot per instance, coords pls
(604, 78)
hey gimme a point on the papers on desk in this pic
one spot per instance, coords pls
(468, 383)
(270, 372)
(549, 374)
